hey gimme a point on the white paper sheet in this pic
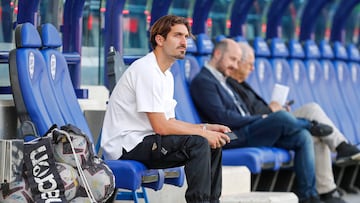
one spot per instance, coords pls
(280, 93)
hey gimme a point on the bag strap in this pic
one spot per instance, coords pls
(27, 130)
(77, 131)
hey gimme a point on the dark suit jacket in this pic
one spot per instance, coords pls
(215, 104)
(255, 104)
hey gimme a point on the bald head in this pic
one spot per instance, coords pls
(225, 56)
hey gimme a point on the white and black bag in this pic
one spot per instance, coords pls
(73, 147)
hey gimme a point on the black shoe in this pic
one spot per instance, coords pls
(332, 197)
(347, 153)
(320, 129)
(311, 200)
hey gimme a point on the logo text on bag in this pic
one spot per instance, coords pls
(47, 184)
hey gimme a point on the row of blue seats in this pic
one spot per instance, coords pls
(43, 94)
(314, 75)
(320, 74)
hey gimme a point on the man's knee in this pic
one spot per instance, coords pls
(312, 106)
(200, 140)
(199, 143)
(305, 138)
(284, 116)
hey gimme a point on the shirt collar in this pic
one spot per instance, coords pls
(217, 74)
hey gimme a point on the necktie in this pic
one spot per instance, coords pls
(239, 102)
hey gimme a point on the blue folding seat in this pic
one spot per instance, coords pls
(60, 81)
(190, 63)
(204, 48)
(129, 174)
(299, 72)
(309, 81)
(240, 38)
(335, 69)
(185, 108)
(346, 88)
(281, 69)
(219, 38)
(354, 67)
(326, 90)
(34, 100)
(296, 57)
(308, 76)
(262, 81)
(263, 70)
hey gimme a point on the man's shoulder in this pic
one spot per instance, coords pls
(144, 63)
(203, 74)
(148, 58)
(203, 78)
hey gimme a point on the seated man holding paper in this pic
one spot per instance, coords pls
(323, 146)
(217, 102)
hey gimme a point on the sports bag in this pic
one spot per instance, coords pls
(73, 147)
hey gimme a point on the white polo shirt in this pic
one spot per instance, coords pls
(142, 88)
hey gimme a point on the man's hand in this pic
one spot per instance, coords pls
(275, 106)
(216, 139)
(217, 128)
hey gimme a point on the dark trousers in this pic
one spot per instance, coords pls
(202, 164)
(282, 129)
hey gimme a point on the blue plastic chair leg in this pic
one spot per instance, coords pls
(133, 195)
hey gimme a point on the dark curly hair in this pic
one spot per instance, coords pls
(163, 26)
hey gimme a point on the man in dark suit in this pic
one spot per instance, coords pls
(217, 102)
(336, 141)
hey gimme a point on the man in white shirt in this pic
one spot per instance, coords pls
(140, 122)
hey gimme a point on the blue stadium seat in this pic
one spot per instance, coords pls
(204, 48)
(219, 38)
(240, 38)
(296, 57)
(185, 108)
(346, 88)
(355, 75)
(307, 79)
(34, 100)
(190, 63)
(322, 77)
(354, 67)
(281, 68)
(59, 76)
(135, 172)
(263, 69)
(263, 81)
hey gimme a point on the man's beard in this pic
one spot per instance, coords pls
(219, 66)
(180, 56)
